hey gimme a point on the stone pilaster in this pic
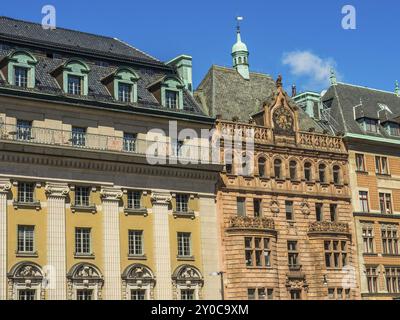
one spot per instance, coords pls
(161, 245)
(56, 247)
(111, 246)
(5, 187)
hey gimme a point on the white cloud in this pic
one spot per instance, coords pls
(307, 64)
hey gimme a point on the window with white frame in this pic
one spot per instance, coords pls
(257, 252)
(135, 239)
(381, 165)
(372, 279)
(78, 136)
(385, 203)
(129, 144)
(82, 196)
(138, 294)
(360, 162)
(27, 294)
(368, 238)
(184, 244)
(182, 202)
(26, 192)
(74, 84)
(24, 130)
(21, 76)
(171, 99)
(392, 279)
(84, 294)
(134, 199)
(26, 239)
(124, 92)
(335, 254)
(363, 198)
(83, 241)
(390, 240)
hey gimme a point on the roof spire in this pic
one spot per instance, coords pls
(240, 54)
(397, 89)
(333, 77)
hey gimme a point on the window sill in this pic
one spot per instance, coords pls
(367, 254)
(137, 257)
(383, 175)
(27, 205)
(259, 268)
(90, 208)
(324, 184)
(179, 214)
(84, 256)
(390, 255)
(26, 254)
(184, 258)
(136, 212)
(280, 179)
(362, 172)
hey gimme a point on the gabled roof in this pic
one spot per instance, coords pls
(346, 103)
(71, 40)
(224, 92)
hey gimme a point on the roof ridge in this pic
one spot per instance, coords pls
(215, 66)
(61, 28)
(364, 87)
(129, 45)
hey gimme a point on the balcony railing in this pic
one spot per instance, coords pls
(254, 223)
(328, 227)
(193, 151)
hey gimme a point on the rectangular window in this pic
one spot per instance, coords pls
(84, 294)
(251, 294)
(129, 144)
(338, 294)
(135, 241)
(289, 210)
(26, 239)
(82, 195)
(368, 238)
(75, 85)
(257, 208)
(21, 77)
(270, 294)
(124, 92)
(372, 279)
(363, 196)
(335, 254)
(241, 206)
(138, 294)
(78, 136)
(392, 279)
(83, 241)
(187, 294)
(184, 244)
(319, 211)
(24, 130)
(295, 294)
(27, 294)
(333, 212)
(293, 255)
(394, 129)
(370, 125)
(182, 202)
(26, 192)
(257, 252)
(134, 199)
(171, 99)
(258, 294)
(385, 203)
(360, 164)
(390, 239)
(381, 165)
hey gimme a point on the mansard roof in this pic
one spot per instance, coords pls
(103, 55)
(224, 92)
(344, 104)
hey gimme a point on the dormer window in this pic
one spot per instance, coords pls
(74, 85)
(171, 99)
(169, 92)
(122, 85)
(124, 92)
(20, 69)
(369, 125)
(393, 129)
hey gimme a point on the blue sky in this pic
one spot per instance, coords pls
(298, 39)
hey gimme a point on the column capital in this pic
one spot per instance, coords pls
(110, 193)
(161, 197)
(5, 186)
(56, 189)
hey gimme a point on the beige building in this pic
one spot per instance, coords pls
(83, 213)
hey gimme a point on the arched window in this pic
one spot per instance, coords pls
(308, 171)
(26, 282)
(336, 175)
(188, 282)
(138, 283)
(261, 167)
(21, 69)
(125, 85)
(278, 168)
(84, 282)
(293, 170)
(322, 172)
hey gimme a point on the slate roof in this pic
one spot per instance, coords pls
(345, 103)
(224, 92)
(148, 73)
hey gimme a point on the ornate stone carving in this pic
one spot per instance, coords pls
(161, 197)
(187, 274)
(109, 193)
(318, 141)
(5, 186)
(240, 222)
(138, 272)
(274, 205)
(296, 283)
(305, 207)
(56, 189)
(328, 227)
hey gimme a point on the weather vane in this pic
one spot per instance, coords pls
(238, 19)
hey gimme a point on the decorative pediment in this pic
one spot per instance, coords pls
(188, 275)
(26, 270)
(84, 271)
(138, 272)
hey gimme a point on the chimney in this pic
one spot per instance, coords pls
(294, 90)
(183, 65)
